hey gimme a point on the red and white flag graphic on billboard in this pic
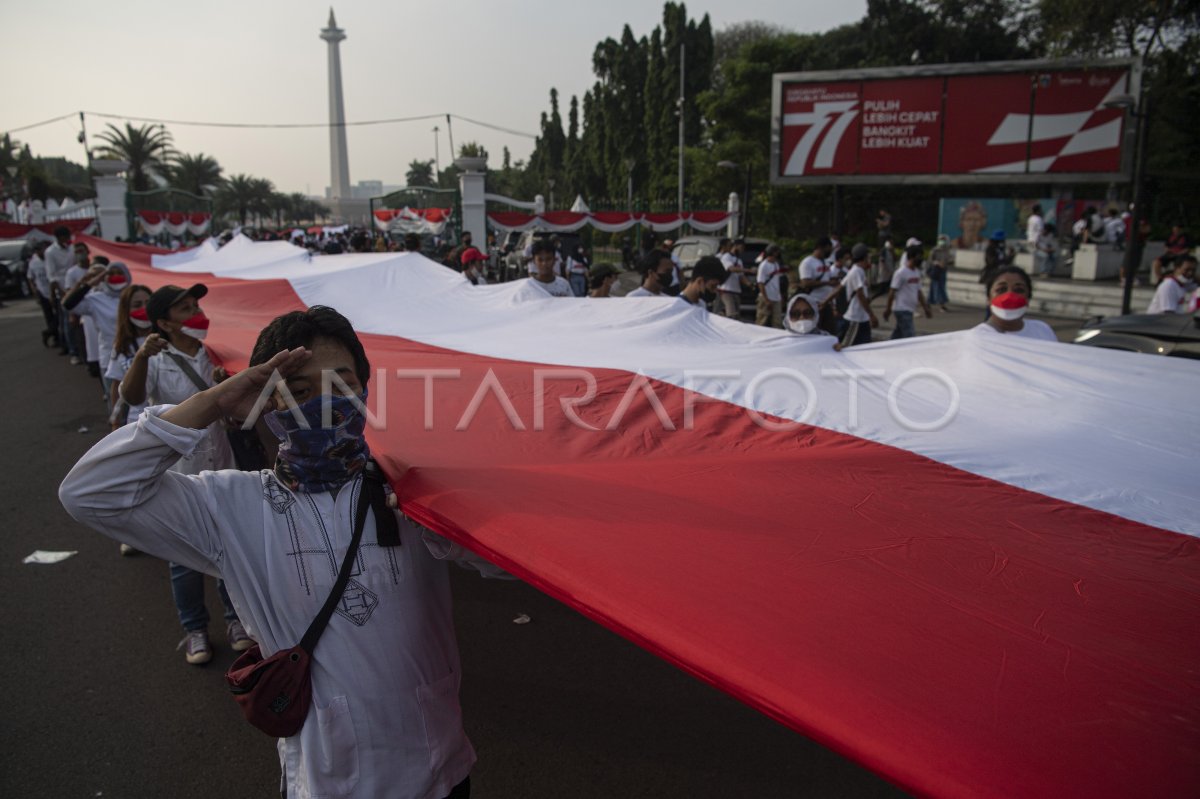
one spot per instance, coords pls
(1069, 130)
(820, 129)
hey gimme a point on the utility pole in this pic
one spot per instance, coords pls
(450, 133)
(681, 75)
(83, 140)
(437, 161)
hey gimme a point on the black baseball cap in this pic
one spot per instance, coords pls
(160, 302)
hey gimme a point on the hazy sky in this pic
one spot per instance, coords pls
(262, 62)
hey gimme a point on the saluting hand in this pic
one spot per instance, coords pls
(238, 395)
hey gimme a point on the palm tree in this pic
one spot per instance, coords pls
(146, 149)
(420, 173)
(262, 192)
(237, 195)
(198, 174)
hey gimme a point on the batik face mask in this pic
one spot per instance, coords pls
(313, 458)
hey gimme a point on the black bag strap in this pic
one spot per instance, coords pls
(188, 370)
(370, 496)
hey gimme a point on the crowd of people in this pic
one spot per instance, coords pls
(176, 479)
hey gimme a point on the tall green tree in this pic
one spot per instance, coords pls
(199, 173)
(237, 195)
(420, 173)
(147, 148)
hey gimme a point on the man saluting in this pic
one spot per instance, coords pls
(385, 718)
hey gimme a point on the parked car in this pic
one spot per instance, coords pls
(515, 265)
(1177, 335)
(692, 248)
(12, 268)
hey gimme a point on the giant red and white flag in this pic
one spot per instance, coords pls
(967, 561)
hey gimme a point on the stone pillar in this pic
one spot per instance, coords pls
(112, 208)
(339, 160)
(471, 186)
(732, 228)
(539, 205)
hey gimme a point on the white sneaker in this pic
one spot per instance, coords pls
(236, 635)
(196, 648)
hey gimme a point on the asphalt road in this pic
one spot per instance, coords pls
(98, 703)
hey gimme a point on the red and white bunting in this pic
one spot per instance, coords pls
(607, 221)
(175, 223)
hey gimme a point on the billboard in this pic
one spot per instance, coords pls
(1032, 121)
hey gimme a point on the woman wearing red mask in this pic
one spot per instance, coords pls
(1009, 292)
(133, 326)
(170, 366)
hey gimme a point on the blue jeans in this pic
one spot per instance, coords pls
(937, 289)
(578, 284)
(904, 325)
(187, 586)
(65, 341)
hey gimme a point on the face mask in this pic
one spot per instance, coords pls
(1010, 306)
(708, 296)
(116, 284)
(140, 318)
(196, 326)
(664, 278)
(81, 260)
(803, 326)
(320, 458)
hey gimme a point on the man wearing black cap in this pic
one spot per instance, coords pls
(171, 366)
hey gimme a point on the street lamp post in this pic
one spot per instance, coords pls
(1133, 245)
(744, 222)
(550, 183)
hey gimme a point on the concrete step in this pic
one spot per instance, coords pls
(1054, 296)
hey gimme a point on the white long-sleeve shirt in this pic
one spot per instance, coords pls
(385, 719)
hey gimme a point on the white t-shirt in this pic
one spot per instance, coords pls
(118, 365)
(576, 267)
(855, 279)
(73, 276)
(167, 383)
(813, 268)
(37, 273)
(768, 275)
(1033, 228)
(1034, 328)
(907, 284)
(1080, 226)
(559, 288)
(733, 283)
(58, 261)
(100, 305)
(1113, 229)
(1168, 297)
(642, 291)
